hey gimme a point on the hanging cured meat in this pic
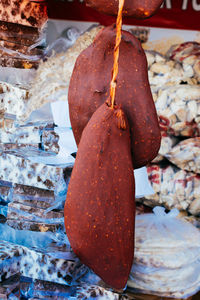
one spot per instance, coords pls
(100, 209)
(89, 88)
(140, 9)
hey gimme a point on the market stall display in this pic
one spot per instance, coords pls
(33, 184)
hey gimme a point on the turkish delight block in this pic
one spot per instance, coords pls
(22, 51)
(13, 98)
(21, 63)
(33, 196)
(34, 168)
(51, 267)
(24, 12)
(5, 192)
(174, 188)
(87, 291)
(35, 226)
(10, 257)
(20, 211)
(21, 135)
(10, 288)
(21, 35)
(25, 134)
(40, 289)
(10, 146)
(50, 141)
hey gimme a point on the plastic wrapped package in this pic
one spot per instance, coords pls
(52, 77)
(22, 51)
(24, 12)
(88, 291)
(21, 63)
(10, 288)
(30, 135)
(50, 141)
(22, 35)
(188, 54)
(13, 98)
(10, 257)
(186, 155)
(165, 71)
(28, 167)
(167, 142)
(173, 188)
(38, 289)
(178, 108)
(167, 256)
(5, 192)
(17, 75)
(39, 255)
(54, 267)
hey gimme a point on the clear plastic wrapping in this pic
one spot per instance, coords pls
(174, 188)
(164, 71)
(24, 12)
(22, 35)
(167, 142)
(17, 75)
(188, 54)
(178, 108)
(167, 256)
(186, 155)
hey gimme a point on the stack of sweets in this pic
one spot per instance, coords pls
(22, 25)
(10, 257)
(174, 173)
(32, 185)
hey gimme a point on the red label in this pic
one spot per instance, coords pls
(179, 14)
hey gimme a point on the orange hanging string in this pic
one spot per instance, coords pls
(113, 83)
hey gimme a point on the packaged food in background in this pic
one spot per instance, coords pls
(17, 76)
(186, 155)
(165, 71)
(167, 142)
(22, 34)
(28, 167)
(53, 75)
(174, 188)
(178, 109)
(188, 54)
(167, 258)
(24, 12)
(10, 257)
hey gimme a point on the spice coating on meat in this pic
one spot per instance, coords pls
(89, 88)
(100, 208)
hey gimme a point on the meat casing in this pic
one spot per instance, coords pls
(140, 9)
(89, 88)
(100, 207)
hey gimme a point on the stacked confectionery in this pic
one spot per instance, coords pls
(37, 260)
(32, 189)
(174, 173)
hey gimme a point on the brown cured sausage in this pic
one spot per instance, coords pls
(89, 88)
(140, 9)
(100, 207)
